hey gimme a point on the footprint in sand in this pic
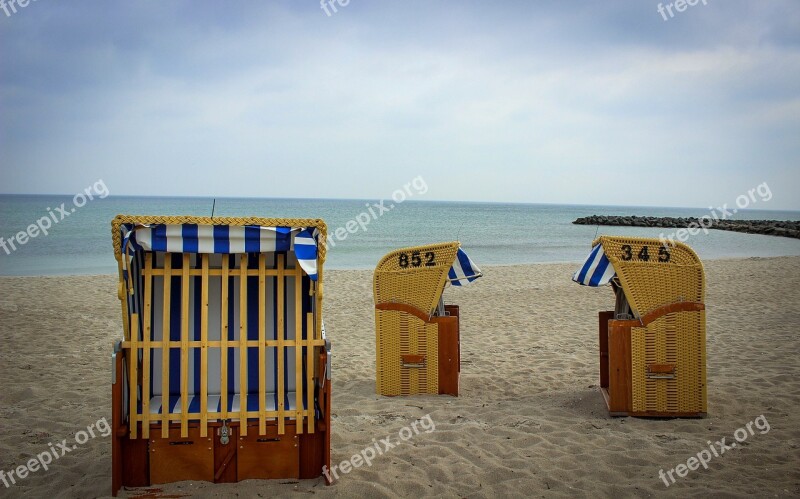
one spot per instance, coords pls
(8, 306)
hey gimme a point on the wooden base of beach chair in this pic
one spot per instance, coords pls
(654, 367)
(140, 462)
(164, 460)
(253, 456)
(173, 459)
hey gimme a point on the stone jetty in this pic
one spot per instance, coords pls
(788, 228)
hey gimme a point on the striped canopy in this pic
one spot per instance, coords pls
(464, 270)
(224, 239)
(596, 270)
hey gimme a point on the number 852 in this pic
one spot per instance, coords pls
(416, 259)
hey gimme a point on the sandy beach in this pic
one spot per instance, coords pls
(530, 420)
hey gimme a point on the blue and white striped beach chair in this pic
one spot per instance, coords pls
(222, 324)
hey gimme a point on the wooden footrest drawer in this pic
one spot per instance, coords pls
(175, 459)
(270, 455)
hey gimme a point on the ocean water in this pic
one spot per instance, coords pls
(491, 233)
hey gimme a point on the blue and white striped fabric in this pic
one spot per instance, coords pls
(172, 332)
(215, 403)
(464, 270)
(225, 239)
(596, 270)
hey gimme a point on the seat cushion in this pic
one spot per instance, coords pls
(234, 403)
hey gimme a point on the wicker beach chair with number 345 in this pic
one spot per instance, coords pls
(653, 344)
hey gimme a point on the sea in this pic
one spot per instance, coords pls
(491, 233)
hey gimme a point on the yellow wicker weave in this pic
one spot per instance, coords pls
(650, 284)
(419, 286)
(654, 277)
(677, 339)
(397, 280)
(400, 334)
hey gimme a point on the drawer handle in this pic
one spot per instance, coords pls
(416, 361)
(661, 371)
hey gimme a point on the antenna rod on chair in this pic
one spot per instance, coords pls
(458, 235)
(213, 206)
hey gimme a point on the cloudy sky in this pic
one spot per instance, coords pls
(526, 101)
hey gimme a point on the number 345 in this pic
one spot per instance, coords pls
(644, 253)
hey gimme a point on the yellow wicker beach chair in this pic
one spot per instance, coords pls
(653, 345)
(417, 336)
(223, 373)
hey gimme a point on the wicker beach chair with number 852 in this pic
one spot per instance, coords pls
(417, 335)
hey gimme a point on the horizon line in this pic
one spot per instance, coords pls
(444, 201)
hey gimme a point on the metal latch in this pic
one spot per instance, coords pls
(224, 433)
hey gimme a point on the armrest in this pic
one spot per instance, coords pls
(402, 307)
(683, 306)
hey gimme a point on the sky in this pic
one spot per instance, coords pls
(579, 102)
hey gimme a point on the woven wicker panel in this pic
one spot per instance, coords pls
(692, 354)
(677, 339)
(419, 286)
(400, 333)
(387, 348)
(650, 284)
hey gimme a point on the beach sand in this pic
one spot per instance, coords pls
(530, 420)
